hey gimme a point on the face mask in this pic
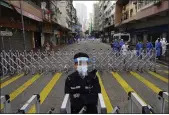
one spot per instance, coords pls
(82, 70)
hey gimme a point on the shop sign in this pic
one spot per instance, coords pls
(6, 33)
(46, 15)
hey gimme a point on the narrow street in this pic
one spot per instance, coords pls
(115, 86)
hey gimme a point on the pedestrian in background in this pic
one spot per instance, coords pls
(139, 48)
(121, 43)
(116, 46)
(161, 41)
(158, 48)
(47, 47)
(124, 48)
(164, 46)
(149, 47)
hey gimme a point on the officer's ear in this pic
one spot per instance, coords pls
(76, 64)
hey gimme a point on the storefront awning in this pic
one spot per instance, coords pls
(2, 3)
(29, 15)
(153, 29)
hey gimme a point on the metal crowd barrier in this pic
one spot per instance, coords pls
(116, 110)
(14, 62)
(5, 101)
(133, 101)
(101, 105)
(163, 97)
(66, 107)
(34, 100)
(142, 106)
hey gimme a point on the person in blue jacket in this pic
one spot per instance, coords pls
(158, 49)
(116, 45)
(149, 47)
(139, 48)
(121, 43)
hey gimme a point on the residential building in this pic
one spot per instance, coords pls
(101, 13)
(90, 23)
(96, 17)
(44, 21)
(81, 14)
(106, 19)
(85, 25)
(145, 20)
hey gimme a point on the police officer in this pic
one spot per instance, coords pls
(83, 86)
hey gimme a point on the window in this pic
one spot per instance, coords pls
(125, 37)
(116, 37)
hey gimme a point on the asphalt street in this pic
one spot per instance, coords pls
(115, 85)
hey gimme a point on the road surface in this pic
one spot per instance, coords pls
(115, 86)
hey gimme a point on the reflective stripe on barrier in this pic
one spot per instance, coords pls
(65, 107)
(101, 104)
(163, 96)
(116, 110)
(142, 106)
(34, 100)
(7, 105)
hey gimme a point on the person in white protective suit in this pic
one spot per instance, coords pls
(124, 48)
(164, 46)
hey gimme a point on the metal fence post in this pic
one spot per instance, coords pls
(7, 105)
(163, 96)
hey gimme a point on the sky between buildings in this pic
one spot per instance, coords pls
(88, 4)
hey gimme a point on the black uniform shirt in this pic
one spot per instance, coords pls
(83, 91)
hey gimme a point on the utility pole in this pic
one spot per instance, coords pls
(23, 27)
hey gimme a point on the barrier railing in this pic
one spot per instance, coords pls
(62, 61)
(134, 103)
(116, 110)
(163, 97)
(101, 105)
(141, 105)
(34, 100)
(65, 107)
(5, 101)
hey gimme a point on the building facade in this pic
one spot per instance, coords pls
(43, 22)
(96, 17)
(106, 20)
(144, 20)
(90, 23)
(81, 14)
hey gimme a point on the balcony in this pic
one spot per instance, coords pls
(29, 9)
(145, 4)
(157, 7)
(122, 2)
(36, 3)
